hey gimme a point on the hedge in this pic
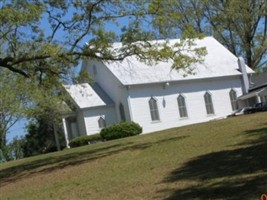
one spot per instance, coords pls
(85, 140)
(121, 130)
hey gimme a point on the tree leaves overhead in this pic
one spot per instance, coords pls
(47, 38)
(239, 25)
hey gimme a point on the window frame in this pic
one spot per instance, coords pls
(154, 109)
(182, 106)
(233, 99)
(209, 103)
(101, 122)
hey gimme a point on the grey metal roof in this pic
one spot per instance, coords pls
(86, 96)
(218, 62)
(258, 81)
(252, 94)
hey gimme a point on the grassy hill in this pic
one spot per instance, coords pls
(223, 159)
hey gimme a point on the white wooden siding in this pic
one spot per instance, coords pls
(193, 91)
(110, 84)
(91, 117)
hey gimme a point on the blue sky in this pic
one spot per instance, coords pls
(17, 130)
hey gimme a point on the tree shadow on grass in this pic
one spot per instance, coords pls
(230, 174)
(52, 162)
(49, 164)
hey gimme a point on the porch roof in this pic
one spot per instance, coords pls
(253, 94)
(87, 96)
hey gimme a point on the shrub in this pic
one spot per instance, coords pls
(85, 140)
(121, 130)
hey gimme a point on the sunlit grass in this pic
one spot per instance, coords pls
(223, 159)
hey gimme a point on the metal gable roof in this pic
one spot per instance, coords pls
(86, 96)
(218, 62)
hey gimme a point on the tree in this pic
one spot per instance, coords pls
(15, 148)
(20, 98)
(13, 97)
(41, 136)
(2, 157)
(239, 25)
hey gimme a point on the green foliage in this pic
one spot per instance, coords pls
(83, 77)
(239, 25)
(41, 137)
(45, 54)
(121, 130)
(85, 140)
(2, 157)
(13, 97)
(20, 98)
(15, 148)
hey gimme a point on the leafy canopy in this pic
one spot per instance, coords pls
(44, 39)
(239, 25)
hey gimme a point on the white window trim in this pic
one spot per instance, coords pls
(158, 112)
(231, 101)
(101, 118)
(185, 105)
(212, 103)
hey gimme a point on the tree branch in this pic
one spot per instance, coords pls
(88, 25)
(5, 63)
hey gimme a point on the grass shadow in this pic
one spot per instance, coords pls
(51, 163)
(228, 174)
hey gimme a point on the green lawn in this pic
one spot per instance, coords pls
(224, 159)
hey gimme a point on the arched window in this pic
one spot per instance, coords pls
(233, 99)
(208, 103)
(122, 113)
(153, 106)
(101, 122)
(182, 106)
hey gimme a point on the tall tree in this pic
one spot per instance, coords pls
(240, 25)
(13, 96)
(41, 135)
(15, 148)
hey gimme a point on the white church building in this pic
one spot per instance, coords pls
(156, 97)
